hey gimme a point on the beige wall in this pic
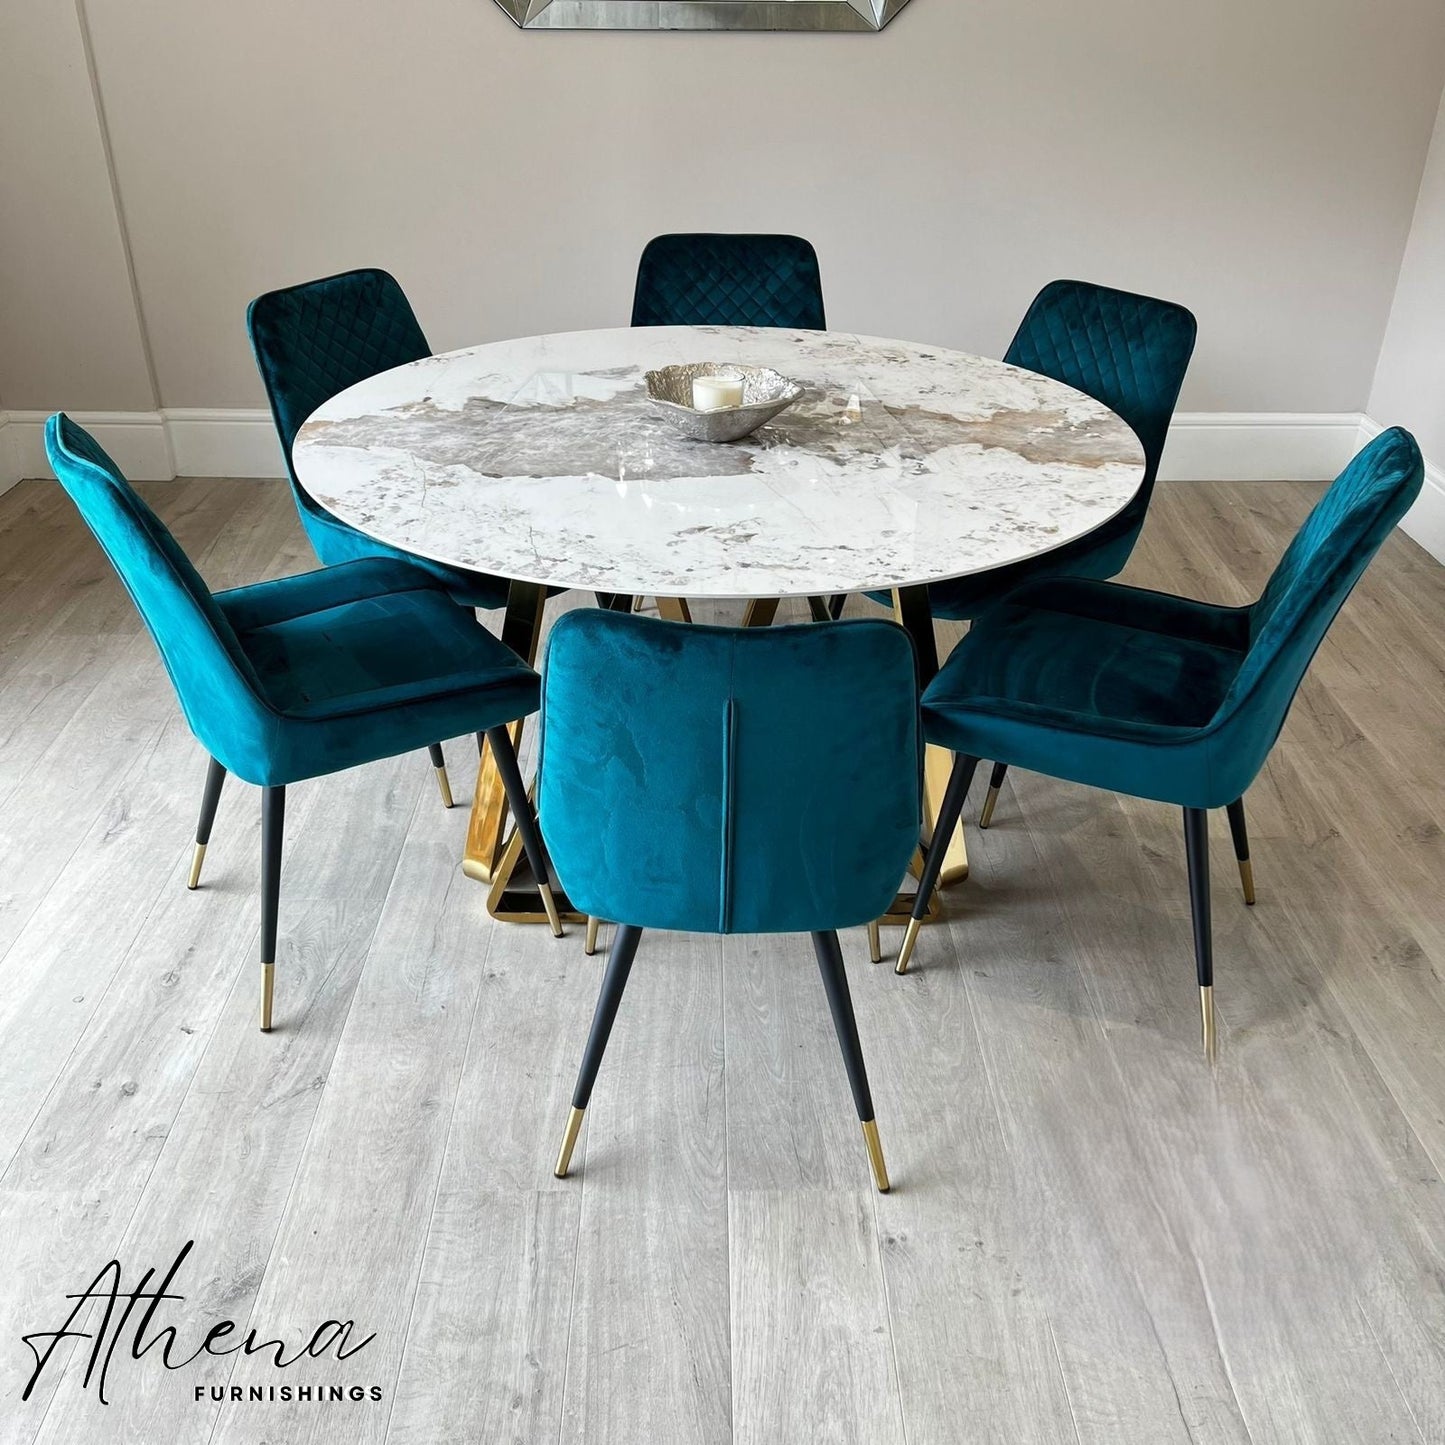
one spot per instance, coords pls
(69, 334)
(1258, 162)
(1410, 383)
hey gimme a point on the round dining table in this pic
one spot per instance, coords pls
(544, 461)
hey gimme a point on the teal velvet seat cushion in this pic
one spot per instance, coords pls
(709, 279)
(312, 341)
(304, 675)
(1090, 681)
(1131, 353)
(367, 635)
(1160, 696)
(727, 780)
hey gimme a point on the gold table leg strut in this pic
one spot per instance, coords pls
(487, 831)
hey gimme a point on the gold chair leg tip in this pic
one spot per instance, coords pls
(875, 943)
(550, 904)
(986, 816)
(268, 989)
(1208, 1032)
(444, 787)
(590, 946)
(1246, 879)
(875, 1156)
(905, 952)
(569, 1142)
(197, 858)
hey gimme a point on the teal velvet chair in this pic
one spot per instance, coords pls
(314, 340)
(711, 279)
(1131, 353)
(727, 780)
(707, 278)
(304, 675)
(1159, 696)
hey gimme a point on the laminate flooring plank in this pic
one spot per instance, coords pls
(811, 1348)
(375, 1150)
(486, 1345)
(242, 1129)
(973, 1349)
(1128, 1316)
(648, 1355)
(1245, 1142)
(804, 1252)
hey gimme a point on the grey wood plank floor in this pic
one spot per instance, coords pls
(1092, 1237)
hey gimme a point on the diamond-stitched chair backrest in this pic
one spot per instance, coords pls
(314, 340)
(711, 279)
(219, 691)
(1129, 352)
(1320, 567)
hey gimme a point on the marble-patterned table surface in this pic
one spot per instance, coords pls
(543, 460)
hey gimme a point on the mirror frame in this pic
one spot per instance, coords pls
(857, 15)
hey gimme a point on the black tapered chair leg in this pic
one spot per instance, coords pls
(840, 1005)
(439, 763)
(210, 800)
(273, 825)
(619, 964)
(1196, 847)
(959, 781)
(818, 607)
(1240, 833)
(836, 604)
(995, 784)
(521, 807)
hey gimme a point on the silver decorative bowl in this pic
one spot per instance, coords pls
(765, 393)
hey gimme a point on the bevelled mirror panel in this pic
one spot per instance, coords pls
(702, 14)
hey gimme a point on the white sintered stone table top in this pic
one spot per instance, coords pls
(543, 460)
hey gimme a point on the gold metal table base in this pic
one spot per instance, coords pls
(487, 836)
(494, 853)
(513, 896)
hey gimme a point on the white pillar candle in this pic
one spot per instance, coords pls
(711, 392)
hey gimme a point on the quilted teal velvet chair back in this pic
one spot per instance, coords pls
(217, 686)
(314, 340)
(729, 780)
(1130, 352)
(1314, 577)
(705, 279)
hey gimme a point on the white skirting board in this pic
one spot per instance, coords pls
(153, 446)
(1203, 446)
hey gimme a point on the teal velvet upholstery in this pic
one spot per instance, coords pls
(729, 780)
(1129, 352)
(1159, 696)
(707, 279)
(314, 340)
(305, 675)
